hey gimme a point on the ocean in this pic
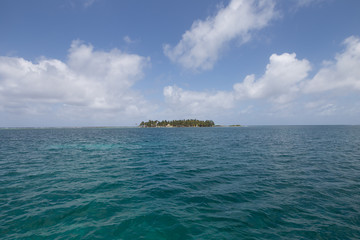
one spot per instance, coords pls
(257, 182)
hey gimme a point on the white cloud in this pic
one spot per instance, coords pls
(197, 103)
(90, 83)
(286, 84)
(201, 46)
(342, 74)
(280, 83)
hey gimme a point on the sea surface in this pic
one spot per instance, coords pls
(261, 182)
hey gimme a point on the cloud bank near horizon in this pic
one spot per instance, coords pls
(91, 84)
(286, 79)
(100, 85)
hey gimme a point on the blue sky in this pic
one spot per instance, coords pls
(111, 63)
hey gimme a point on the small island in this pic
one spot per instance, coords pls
(177, 123)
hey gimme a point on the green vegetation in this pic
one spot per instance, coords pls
(178, 123)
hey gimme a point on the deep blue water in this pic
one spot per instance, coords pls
(278, 182)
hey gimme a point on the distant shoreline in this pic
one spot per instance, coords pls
(137, 127)
(177, 123)
(109, 127)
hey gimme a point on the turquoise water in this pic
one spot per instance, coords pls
(282, 182)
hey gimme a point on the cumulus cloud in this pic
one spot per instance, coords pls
(200, 46)
(280, 83)
(88, 82)
(285, 84)
(341, 74)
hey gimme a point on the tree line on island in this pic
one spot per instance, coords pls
(178, 123)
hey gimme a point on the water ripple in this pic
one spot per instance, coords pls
(285, 182)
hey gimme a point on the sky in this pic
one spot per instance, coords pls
(69, 63)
